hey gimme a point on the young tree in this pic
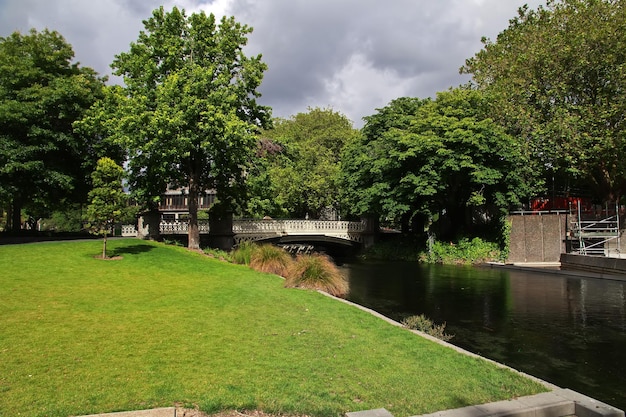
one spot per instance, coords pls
(188, 113)
(556, 80)
(43, 162)
(107, 199)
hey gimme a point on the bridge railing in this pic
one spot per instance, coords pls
(265, 227)
(297, 226)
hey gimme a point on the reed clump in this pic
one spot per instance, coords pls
(243, 253)
(317, 272)
(270, 259)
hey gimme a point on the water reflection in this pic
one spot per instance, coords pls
(567, 330)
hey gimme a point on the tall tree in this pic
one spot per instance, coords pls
(189, 112)
(432, 160)
(107, 200)
(556, 79)
(42, 160)
(303, 177)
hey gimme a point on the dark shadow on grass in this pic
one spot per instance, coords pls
(131, 250)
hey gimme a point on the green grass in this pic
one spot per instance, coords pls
(166, 326)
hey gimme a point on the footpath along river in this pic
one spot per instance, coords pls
(567, 330)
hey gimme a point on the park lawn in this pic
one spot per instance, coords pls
(164, 326)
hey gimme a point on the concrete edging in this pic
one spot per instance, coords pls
(557, 403)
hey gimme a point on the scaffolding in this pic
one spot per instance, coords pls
(597, 236)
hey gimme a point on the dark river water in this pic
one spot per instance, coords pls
(566, 330)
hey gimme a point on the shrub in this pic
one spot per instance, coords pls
(270, 259)
(220, 254)
(464, 251)
(242, 254)
(426, 325)
(316, 272)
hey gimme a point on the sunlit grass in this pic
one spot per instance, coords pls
(166, 326)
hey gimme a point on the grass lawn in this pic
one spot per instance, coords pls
(165, 326)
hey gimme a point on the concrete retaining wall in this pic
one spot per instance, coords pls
(537, 237)
(597, 264)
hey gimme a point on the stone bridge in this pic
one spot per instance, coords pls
(281, 231)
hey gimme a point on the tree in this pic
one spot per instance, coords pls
(441, 161)
(188, 113)
(107, 199)
(302, 178)
(43, 162)
(556, 80)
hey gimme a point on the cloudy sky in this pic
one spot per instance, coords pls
(351, 55)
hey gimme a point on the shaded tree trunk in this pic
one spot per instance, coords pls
(15, 216)
(193, 230)
(104, 246)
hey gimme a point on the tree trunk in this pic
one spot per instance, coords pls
(104, 246)
(193, 230)
(16, 216)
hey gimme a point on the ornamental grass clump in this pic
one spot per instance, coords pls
(316, 272)
(270, 259)
(426, 325)
(243, 253)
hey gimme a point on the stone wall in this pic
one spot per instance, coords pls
(597, 264)
(537, 237)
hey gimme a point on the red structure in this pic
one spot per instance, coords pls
(561, 203)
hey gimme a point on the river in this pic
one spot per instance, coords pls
(567, 330)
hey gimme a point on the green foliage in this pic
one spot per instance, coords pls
(107, 199)
(317, 272)
(270, 259)
(399, 249)
(71, 219)
(242, 254)
(433, 164)
(555, 78)
(220, 254)
(43, 162)
(187, 112)
(505, 238)
(302, 176)
(464, 251)
(426, 325)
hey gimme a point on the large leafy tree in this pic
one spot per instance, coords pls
(187, 113)
(301, 177)
(556, 79)
(441, 161)
(43, 162)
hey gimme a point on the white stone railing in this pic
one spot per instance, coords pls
(300, 227)
(258, 229)
(129, 230)
(180, 228)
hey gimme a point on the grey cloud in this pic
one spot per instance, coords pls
(352, 55)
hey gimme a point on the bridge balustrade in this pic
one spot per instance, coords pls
(246, 230)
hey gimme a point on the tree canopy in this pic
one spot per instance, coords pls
(555, 78)
(43, 162)
(301, 177)
(187, 114)
(442, 161)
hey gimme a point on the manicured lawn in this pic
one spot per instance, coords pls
(165, 326)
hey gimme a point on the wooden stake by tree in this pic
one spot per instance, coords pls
(107, 199)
